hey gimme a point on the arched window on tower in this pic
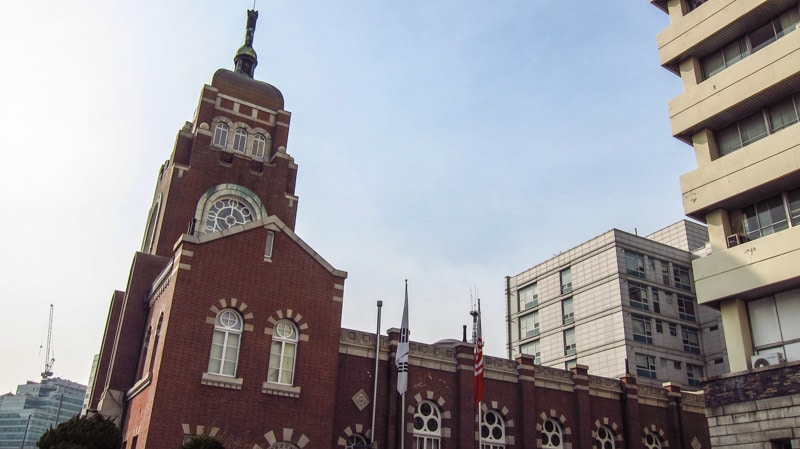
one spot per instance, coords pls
(225, 344)
(493, 430)
(240, 140)
(259, 146)
(427, 426)
(283, 353)
(227, 212)
(221, 135)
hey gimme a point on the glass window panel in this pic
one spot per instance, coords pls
(240, 140)
(634, 264)
(713, 64)
(221, 135)
(771, 215)
(259, 145)
(566, 281)
(735, 51)
(788, 307)
(787, 22)
(764, 322)
(728, 140)
(529, 325)
(752, 128)
(794, 206)
(528, 297)
(569, 342)
(792, 352)
(762, 37)
(566, 311)
(782, 114)
(750, 222)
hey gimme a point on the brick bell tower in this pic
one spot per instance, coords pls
(230, 323)
(230, 166)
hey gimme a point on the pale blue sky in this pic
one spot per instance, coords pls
(451, 143)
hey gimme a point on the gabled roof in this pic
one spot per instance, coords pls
(272, 223)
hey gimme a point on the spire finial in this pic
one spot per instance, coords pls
(246, 59)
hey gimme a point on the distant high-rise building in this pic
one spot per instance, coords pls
(619, 298)
(36, 407)
(740, 66)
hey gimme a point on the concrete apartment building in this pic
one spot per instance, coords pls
(36, 407)
(615, 298)
(739, 62)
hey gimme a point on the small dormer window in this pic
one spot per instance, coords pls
(259, 145)
(221, 135)
(240, 140)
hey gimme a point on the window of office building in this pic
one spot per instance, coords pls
(637, 294)
(681, 277)
(750, 43)
(686, 308)
(528, 297)
(691, 340)
(634, 264)
(567, 314)
(656, 301)
(532, 348)
(758, 125)
(646, 366)
(566, 281)
(694, 374)
(770, 216)
(665, 277)
(773, 324)
(641, 329)
(529, 325)
(569, 342)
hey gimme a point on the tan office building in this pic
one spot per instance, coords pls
(739, 61)
(619, 303)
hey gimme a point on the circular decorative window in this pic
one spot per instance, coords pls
(604, 439)
(228, 319)
(551, 434)
(356, 441)
(652, 441)
(492, 430)
(285, 330)
(225, 213)
(426, 419)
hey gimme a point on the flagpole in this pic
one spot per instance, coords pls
(401, 361)
(402, 420)
(479, 367)
(479, 425)
(375, 386)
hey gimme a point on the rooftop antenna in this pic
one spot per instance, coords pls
(49, 360)
(474, 314)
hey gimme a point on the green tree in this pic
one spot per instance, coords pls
(202, 442)
(82, 432)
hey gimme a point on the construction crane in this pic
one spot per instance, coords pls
(49, 360)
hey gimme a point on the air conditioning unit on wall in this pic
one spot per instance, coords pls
(735, 239)
(770, 359)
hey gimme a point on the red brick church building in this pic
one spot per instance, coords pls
(230, 326)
